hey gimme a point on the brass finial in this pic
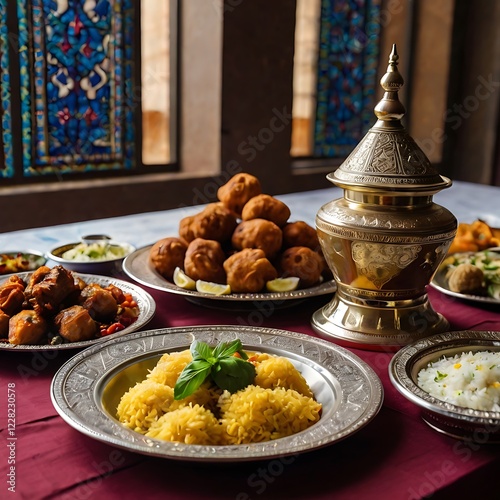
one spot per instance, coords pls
(390, 109)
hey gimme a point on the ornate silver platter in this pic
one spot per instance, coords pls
(86, 390)
(138, 267)
(146, 303)
(440, 282)
(455, 421)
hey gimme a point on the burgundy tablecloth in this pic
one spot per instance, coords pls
(396, 456)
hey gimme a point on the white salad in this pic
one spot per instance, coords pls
(85, 252)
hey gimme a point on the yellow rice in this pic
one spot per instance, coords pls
(280, 403)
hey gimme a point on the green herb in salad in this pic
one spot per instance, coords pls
(226, 365)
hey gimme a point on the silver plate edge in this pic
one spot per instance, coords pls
(152, 279)
(114, 433)
(400, 377)
(147, 308)
(439, 283)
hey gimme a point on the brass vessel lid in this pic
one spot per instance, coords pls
(387, 158)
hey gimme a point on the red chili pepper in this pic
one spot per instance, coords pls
(115, 327)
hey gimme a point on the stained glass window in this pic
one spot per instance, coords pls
(6, 161)
(76, 85)
(342, 95)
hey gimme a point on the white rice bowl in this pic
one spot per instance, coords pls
(469, 380)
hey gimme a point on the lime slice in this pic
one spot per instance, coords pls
(283, 284)
(183, 280)
(212, 288)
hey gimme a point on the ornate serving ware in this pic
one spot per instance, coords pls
(385, 238)
(87, 389)
(456, 421)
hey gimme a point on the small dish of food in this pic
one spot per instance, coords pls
(101, 256)
(454, 378)
(19, 261)
(471, 275)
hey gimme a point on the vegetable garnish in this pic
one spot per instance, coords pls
(226, 364)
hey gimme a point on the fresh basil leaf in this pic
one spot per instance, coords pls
(233, 374)
(201, 350)
(224, 349)
(193, 375)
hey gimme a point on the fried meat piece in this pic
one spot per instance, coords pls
(258, 233)
(238, 190)
(35, 278)
(4, 325)
(300, 234)
(99, 302)
(167, 254)
(52, 290)
(249, 270)
(204, 261)
(27, 327)
(303, 263)
(12, 295)
(75, 324)
(266, 207)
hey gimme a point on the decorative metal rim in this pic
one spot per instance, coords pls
(353, 397)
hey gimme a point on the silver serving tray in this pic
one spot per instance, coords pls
(146, 303)
(138, 267)
(86, 390)
(452, 420)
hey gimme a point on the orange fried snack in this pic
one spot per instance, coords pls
(214, 222)
(300, 234)
(303, 263)
(258, 233)
(249, 270)
(167, 254)
(238, 190)
(264, 206)
(204, 261)
(474, 237)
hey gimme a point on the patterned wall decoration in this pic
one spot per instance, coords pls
(6, 159)
(76, 85)
(347, 66)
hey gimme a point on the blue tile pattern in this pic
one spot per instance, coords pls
(347, 70)
(76, 85)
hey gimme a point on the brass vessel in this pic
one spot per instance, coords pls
(385, 238)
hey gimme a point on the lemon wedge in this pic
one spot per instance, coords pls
(283, 284)
(212, 288)
(183, 280)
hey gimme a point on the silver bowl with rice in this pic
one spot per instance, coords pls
(453, 401)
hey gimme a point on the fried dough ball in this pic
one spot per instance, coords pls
(300, 234)
(204, 261)
(75, 324)
(258, 233)
(215, 222)
(303, 263)
(186, 229)
(466, 278)
(238, 190)
(249, 270)
(27, 327)
(167, 254)
(266, 207)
